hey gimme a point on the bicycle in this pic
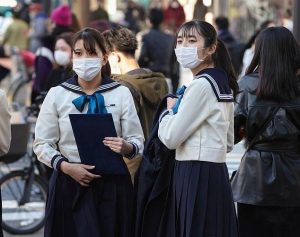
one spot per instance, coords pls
(24, 191)
(21, 73)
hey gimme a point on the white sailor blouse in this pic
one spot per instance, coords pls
(200, 126)
(54, 139)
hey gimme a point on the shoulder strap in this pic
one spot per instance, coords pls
(263, 127)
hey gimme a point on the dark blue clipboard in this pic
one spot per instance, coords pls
(89, 132)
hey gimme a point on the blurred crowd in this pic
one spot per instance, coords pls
(44, 40)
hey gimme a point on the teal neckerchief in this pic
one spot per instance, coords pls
(96, 103)
(179, 93)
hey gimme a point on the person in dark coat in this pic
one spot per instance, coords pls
(152, 183)
(157, 49)
(62, 57)
(235, 48)
(43, 65)
(267, 183)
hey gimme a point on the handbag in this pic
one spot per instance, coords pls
(262, 128)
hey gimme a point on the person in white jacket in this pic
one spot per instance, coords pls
(5, 134)
(199, 125)
(82, 202)
(5, 130)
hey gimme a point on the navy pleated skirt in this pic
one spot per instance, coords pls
(102, 210)
(201, 203)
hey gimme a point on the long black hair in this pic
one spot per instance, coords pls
(91, 38)
(221, 56)
(276, 57)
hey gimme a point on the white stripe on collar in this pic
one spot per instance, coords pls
(215, 85)
(99, 88)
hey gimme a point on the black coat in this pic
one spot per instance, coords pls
(269, 173)
(152, 183)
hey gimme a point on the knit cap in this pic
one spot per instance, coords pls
(62, 15)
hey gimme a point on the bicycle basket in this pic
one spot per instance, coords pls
(19, 140)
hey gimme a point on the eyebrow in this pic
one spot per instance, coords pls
(186, 36)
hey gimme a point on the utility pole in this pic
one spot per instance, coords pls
(296, 20)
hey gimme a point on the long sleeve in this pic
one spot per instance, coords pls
(131, 127)
(230, 133)
(47, 131)
(193, 110)
(5, 128)
(240, 114)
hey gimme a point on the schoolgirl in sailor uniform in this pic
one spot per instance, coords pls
(81, 203)
(199, 125)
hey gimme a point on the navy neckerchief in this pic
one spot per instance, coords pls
(96, 100)
(219, 82)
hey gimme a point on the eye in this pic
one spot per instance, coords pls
(179, 41)
(92, 54)
(192, 41)
(77, 53)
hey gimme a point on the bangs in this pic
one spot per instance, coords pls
(89, 43)
(187, 30)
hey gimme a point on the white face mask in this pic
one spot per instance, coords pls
(188, 57)
(87, 68)
(62, 58)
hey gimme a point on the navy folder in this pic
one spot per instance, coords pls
(89, 131)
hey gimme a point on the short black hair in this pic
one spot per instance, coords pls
(156, 16)
(222, 22)
(121, 39)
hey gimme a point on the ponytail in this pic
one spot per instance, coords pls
(222, 60)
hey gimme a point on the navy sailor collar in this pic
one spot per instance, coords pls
(106, 85)
(219, 82)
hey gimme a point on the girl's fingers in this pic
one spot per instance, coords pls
(113, 139)
(116, 143)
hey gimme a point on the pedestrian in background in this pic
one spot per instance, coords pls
(62, 57)
(5, 136)
(147, 87)
(81, 203)
(61, 19)
(235, 48)
(267, 183)
(199, 125)
(157, 46)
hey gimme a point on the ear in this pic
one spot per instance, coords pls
(118, 56)
(212, 49)
(105, 59)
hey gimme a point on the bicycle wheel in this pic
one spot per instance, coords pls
(27, 218)
(21, 94)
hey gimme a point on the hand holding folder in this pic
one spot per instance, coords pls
(89, 132)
